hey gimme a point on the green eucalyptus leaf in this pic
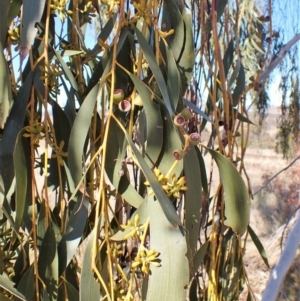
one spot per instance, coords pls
(48, 262)
(68, 73)
(164, 201)
(72, 235)
(221, 4)
(31, 14)
(173, 274)
(228, 57)
(237, 203)
(14, 9)
(193, 199)
(154, 123)
(72, 292)
(8, 286)
(202, 171)
(173, 78)
(21, 180)
(5, 88)
(240, 86)
(89, 289)
(79, 133)
(26, 285)
(4, 7)
(199, 256)
(243, 118)
(187, 59)
(197, 110)
(172, 19)
(259, 246)
(148, 53)
(117, 144)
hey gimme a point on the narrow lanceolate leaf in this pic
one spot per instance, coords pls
(6, 97)
(199, 256)
(4, 7)
(26, 285)
(154, 123)
(88, 287)
(240, 86)
(237, 203)
(32, 13)
(74, 229)
(187, 57)
(168, 281)
(193, 199)
(48, 262)
(78, 134)
(8, 286)
(21, 180)
(115, 170)
(148, 53)
(164, 201)
(259, 246)
(172, 19)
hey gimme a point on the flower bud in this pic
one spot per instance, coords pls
(186, 113)
(179, 120)
(194, 138)
(178, 154)
(118, 96)
(124, 105)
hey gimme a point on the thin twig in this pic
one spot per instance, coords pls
(276, 175)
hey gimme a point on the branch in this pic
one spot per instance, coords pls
(278, 273)
(276, 175)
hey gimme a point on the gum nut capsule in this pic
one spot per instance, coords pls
(186, 113)
(124, 105)
(194, 138)
(118, 96)
(138, 101)
(178, 154)
(179, 120)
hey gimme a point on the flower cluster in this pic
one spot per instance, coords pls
(144, 258)
(136, 229)
(173, 186)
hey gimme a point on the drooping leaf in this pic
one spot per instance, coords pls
(172, 19)
(89, 289)
(72, 235)
(48, 262)
(237, 203)
(68, 73)
(148, 53)
(8, 286)
(173, 274)
(21, 180)
(32, 14)
(259, 246)
(116, 144)
(202, 171)
(197, 110)
(26, 285)
(221, 4)
(173, 78)
(5, 87)
(244, 118)
(228, 57)
(199, 256)
(165, 202)
(193, 199)
(240, 86)
(4, 7)
(72, 292)
(187, 58)
(78, 134)
(154, 123)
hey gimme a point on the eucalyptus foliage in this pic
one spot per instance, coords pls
(105, 193)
